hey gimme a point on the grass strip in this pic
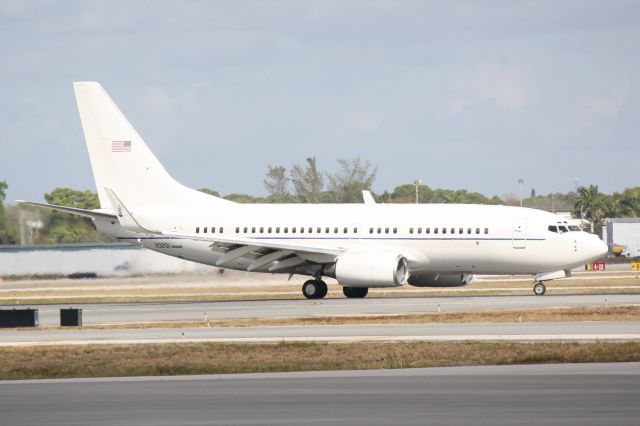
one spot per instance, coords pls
(208, 358)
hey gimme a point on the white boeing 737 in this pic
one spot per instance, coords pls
(363, 246)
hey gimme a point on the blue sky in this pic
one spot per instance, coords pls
(462, 94)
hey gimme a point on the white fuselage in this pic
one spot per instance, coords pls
(439, 238)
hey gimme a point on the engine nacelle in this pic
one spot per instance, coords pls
(371, 269)
(430, 279)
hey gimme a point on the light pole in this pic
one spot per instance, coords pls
(520, 182)
(417, 183)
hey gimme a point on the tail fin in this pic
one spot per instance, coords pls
(122, 161)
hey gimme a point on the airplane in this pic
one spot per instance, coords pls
(362, 246)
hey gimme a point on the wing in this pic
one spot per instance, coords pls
(266, 254)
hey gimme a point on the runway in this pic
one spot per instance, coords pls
(565, 394)
(101, 313)
(563, 331)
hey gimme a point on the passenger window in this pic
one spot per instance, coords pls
(371, 230)
(355, 230)
(237, 230)
(486, 230)
(302, 229)
(204, 231)
(419, 230)
(477, 230)
(277, 229)
(213, 229)
(261, 229)
(221, 229)
(335, 230)
(444, 230)
(386, 230)
(245, 229)
(269, 230)
(461, 231)
(468, 230)
(379, 230)
(345, 230)
(411, 230)
(395, 230)
(427, 231)
(286, 229)
(326, 230)
(453, 230)
(197, 229)
(253, 229)
(293, 230)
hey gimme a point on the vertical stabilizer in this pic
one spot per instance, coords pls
(122, 161)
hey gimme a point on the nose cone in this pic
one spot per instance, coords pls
(593, 248)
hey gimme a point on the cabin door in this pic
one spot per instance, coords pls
(175, 225)
(519, 236)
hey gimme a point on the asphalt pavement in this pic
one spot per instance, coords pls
(569, 394)
(101, 313)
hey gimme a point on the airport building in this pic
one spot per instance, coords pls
(101, 259)
(622, 234)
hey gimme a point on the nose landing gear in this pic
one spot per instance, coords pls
(539, 288)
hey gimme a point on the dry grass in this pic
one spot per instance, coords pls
(207, 358)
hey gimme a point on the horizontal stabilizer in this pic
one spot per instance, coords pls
(104, 213)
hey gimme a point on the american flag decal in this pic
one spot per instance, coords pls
(121, 146)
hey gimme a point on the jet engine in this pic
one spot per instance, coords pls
(371, 269)
(430, 279)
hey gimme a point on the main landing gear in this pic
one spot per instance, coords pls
(539, 288)
(355, 292)
(314, 289)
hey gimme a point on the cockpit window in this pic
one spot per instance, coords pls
(563, 229)
(553, 228)
(574, 228)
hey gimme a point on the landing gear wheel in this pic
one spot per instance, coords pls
(539, 289)
(314, 289)
(322, 286)
(355, 292)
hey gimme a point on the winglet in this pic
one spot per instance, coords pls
(367, 197)
(124, 216)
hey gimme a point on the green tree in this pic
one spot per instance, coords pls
(630, 202)
(209, 191)
(407, 194)
(346, 184)
(277, 183)
(66, 228)
(4, 232)
(308, 181)
(73, 198)
(611, 206)
(589, 203)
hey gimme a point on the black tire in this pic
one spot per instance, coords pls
(311, 289)
(322, 286)
(539, 289)
(355, 292)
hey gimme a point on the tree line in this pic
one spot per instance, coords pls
(306, 183)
